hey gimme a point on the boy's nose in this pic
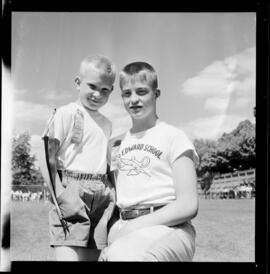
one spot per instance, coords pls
(134, 98)
(96, 93)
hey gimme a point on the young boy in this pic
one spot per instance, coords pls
(78, 151)
(156, 183)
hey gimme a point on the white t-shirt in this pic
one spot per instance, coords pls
(83, 139)
(144, 162)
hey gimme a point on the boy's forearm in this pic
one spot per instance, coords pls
(176, 212)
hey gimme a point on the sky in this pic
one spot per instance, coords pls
(205, 64)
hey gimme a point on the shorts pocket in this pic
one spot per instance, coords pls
(71, 205)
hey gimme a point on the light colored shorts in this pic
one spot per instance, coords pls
(158, 243)
(87, 206)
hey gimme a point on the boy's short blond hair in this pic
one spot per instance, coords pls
(100, 63)
(143, 70)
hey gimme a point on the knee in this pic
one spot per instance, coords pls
(116, 252)
(169, 254)
(67, 253)
(122, 251)
(150, 257)
(119, 252)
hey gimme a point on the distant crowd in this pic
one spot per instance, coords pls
(240, 193)
(244, 190)
(19, 195)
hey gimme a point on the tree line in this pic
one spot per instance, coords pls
(232, 151)
(24, 170)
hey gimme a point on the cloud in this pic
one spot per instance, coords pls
(30, 117)
(28, 111)
(54, 97)
(225, 82)
(20, 115)
(241, 102)
(212, 81)
(212, 127)
(216, 104)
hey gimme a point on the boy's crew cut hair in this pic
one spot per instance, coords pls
(145, 71)
(100, 63)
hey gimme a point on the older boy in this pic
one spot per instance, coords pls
(80, 136)
(156, 183)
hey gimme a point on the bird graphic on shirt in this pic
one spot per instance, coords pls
(133, 166)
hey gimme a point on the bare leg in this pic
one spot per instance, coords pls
(67, 253)
(72, 253)
(86, 254)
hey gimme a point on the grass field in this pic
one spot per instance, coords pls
(225, 231)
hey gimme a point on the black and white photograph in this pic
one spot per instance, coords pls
(130, 137)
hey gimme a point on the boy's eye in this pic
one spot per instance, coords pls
(93, 87)
(126, 93)
(105, 91)
(142, 91)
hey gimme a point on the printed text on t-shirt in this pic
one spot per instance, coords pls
(144, 147)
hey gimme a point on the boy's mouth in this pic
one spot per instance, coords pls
(135, 108)
(94, 100)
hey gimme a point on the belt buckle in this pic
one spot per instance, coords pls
(122, 215)
(136, 212)
(129, 214)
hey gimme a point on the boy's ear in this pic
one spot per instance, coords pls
(157, 93)
(77, 81)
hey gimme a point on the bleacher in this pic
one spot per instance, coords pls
(239, 184)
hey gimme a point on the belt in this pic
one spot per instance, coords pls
(134, 213)
(85, 176)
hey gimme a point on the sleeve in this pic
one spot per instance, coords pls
(62, 124)
(179, 144)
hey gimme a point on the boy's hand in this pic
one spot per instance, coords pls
(103, 255)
